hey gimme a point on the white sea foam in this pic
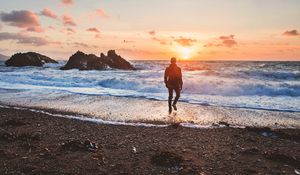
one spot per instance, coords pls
(128, 110)
(224, 87)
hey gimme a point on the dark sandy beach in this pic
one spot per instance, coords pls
(35, 143)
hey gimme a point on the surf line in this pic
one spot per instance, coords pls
(100, 121)
(83, 118)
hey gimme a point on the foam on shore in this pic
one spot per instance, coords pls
(123, 110)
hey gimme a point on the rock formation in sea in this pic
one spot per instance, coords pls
(84, 61)
(28, 59)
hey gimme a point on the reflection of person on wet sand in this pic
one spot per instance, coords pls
(173, 81)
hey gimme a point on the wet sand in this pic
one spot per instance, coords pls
(36, 143)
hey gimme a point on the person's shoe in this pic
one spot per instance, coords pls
(174, 106)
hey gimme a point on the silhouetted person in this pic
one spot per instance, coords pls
(173, 81)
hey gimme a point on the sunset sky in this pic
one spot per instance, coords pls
(154, 29)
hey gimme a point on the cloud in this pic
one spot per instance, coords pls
(48, 13)
(67, 2)
(157, 39)
(128, 41)
(37, 29)
(212, 45)
(226, 41)
(22, 19)
(145, 54)
(186, 42)
(97, 36)
(102, 13)
(152, 33)
(93, 29)
(51, 27)
(23, 39)
(291, 33)
(80, 44)
(68, 31)
(161, 41)
(68, 20)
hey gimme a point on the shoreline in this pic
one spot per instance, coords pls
(38, 143)
(135, 110)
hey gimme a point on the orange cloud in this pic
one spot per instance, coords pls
(93, 29)
(82, 45)
(48, 13)
(97, 36)
(25, 39)
(152, 33)
(68, 20)
(102, 13)
(128, 41)
(143, 54)
(22, 18)
(161, 41)
(291, 33)
(185, 41)
(67, 2)
(68, 31)
(228, 41)
(37, 29)
(51, 27)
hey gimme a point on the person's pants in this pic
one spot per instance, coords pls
(177, 91)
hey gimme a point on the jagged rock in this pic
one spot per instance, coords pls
(28, 59)
(83, 61)
(115, 61)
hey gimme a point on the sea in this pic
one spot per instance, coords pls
(260, 86)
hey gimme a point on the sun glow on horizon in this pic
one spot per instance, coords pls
(186, 53)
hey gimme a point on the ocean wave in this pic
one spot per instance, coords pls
(215, 80)
(272, 75)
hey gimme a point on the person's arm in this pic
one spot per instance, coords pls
(181, 82)
(166, 76)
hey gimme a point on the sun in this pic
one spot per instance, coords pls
(186, 52)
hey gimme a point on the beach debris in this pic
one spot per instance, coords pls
(167, 159)
(223, 124)
(134, 149)
(251, 151)
(264, 131)
(77, 145)
(275, 134)
(220, 124)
